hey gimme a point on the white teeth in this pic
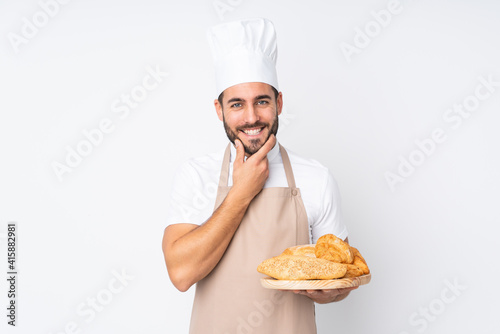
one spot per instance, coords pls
(252, 132)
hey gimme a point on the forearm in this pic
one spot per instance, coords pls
(193, 255)
(192, 252)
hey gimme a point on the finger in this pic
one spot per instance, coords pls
(312, 291)
(340, 290)
(268, 146)
(240, 153)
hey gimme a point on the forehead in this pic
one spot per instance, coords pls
(248, 91)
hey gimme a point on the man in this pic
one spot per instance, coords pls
(259, 209)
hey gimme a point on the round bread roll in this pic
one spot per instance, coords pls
(331, 248)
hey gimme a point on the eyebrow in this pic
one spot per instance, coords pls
(234, 99)
(259, 97)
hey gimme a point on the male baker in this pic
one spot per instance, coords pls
(267, 199)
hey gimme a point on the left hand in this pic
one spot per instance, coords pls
(326, 296)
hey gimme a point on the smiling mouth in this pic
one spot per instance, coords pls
(253, 131)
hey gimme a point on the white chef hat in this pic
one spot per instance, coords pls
(244, 51)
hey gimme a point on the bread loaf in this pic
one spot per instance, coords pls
(329, 258)
(305, 250)
(299, 267)
(353, 271)
(360, 262)
(329, 247)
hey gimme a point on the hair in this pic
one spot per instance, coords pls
(221, 96)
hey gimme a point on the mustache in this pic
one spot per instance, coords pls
(257, 124)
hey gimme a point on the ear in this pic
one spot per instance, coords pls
(218, 109)
(279, 103)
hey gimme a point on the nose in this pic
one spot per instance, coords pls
(251, 115)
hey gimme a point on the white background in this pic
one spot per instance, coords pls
(357, 117)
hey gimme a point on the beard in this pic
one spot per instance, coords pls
(255, 144)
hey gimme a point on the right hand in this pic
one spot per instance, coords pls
(250, 176)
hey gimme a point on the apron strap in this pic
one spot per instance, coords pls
(224, 173)
(288, 167)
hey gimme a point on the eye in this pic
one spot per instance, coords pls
(263, 102)
(236, 105)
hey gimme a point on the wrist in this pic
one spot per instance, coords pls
(240, 197)
(340, 297)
